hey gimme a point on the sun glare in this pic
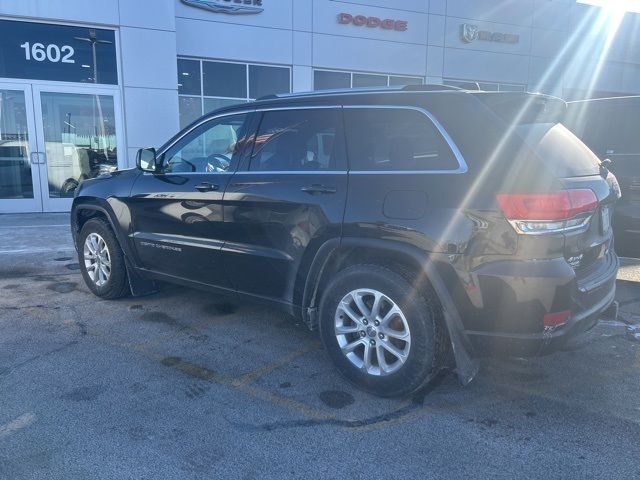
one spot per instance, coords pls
(621, 6)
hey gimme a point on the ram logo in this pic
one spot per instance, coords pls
(469, 32)
(232, 7)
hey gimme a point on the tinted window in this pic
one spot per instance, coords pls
(299, 140)
(211, 147)
(364, 80)
(57, 52)
(188, 77)
(330, 80)
(395, 139)
(190, 108)
(267, 81)
(224, 79)
(405, 81)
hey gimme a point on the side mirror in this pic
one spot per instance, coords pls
(146, 159)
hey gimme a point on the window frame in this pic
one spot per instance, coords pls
(462, 164)
(351, 73)
(248, 99)
(248, 124)
(262, 111)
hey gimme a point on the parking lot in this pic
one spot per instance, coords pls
(182, 384)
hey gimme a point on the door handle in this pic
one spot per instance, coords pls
(317, 189)
(38, 158)
(207, 187)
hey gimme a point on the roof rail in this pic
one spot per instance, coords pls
(398, 88)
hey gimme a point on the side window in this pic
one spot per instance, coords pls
(382, 139)
(212, 147)
(299, 140)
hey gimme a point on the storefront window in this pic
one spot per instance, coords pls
(224, 79)
(204, 85)
(485, 86)
(365, 80)
(268, 80)
(189, 82)
(329, 79)
(324, 80)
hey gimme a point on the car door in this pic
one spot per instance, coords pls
(288, 198)
(177, 213)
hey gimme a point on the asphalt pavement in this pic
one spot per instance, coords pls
(183, 384)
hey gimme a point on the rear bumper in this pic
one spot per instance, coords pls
(587, 302)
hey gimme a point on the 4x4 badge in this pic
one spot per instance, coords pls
(233, 7)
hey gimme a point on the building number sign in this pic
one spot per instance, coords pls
(52, 52)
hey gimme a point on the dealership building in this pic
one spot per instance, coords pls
(85, 83)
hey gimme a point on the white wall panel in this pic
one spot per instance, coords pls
(438, 7)
(86, 11)
(302, 48)
(148, 58)
(487, 66)
(302, 79)
(435, 59)
(549, 14)
(159, 14)
(368, 55)
(436, 31)
(151, 116)
(547, 43)
(227, 41)
(516, 12)
(414, 5)
(302, 15)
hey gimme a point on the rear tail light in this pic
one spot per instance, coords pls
(538, 213)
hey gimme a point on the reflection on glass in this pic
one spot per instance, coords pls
(15, 168)
(329, 80)
(80, 139)
(190, 108)
(365, 80)
(211, 104)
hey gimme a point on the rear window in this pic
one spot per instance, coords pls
(561, 151)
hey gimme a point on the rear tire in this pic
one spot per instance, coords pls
(102, 260)
(399, 336)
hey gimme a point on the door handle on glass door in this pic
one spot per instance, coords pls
(207, 187)
(38, 158)
(317, 189)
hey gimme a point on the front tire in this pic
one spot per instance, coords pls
(380, 332)
(102, 260)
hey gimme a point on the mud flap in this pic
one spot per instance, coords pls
(139, 285)
(467, 365)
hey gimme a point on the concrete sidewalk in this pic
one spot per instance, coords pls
(35, 233)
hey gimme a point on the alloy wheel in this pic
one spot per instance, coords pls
(97, 259)
(372, 332)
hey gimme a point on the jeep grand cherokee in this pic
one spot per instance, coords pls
(410, 226)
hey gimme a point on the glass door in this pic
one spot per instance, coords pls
(79, 132)
(19, 158)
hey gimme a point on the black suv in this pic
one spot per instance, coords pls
(609, 127)
(415, 227)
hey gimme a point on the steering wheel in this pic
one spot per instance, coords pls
(218, 162)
